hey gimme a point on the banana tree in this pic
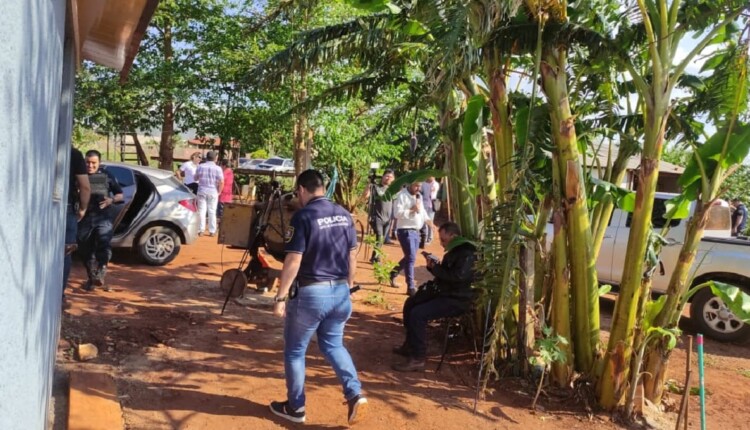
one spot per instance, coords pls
(712, 163)
(665, 24)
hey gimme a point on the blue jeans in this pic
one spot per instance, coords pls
(409, 240)
(321, 309)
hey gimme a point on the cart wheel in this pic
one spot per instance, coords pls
(233, 282)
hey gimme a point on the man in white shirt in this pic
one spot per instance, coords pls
(187, 172)
(210, 180)
(429, 191)
(410, 217)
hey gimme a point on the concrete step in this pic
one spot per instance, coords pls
(93, 402)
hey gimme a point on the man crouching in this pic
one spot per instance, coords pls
(449, 294)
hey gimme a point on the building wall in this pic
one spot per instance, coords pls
(35, 115)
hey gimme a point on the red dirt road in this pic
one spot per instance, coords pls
(179, 364)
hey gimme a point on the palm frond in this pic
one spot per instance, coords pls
(367, 41)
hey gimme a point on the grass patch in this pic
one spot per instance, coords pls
(744, 372)
(376, 299)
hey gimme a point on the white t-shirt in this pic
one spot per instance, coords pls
(188, 170)
(405, 218)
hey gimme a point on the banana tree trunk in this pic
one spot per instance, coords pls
(561, 372)
(615, 367)
(501, 125)
(657, 353)
(582, 262)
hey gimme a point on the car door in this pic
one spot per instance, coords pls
(608, 249)
(126, 178)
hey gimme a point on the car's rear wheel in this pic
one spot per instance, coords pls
(158, 245)
(714, 319)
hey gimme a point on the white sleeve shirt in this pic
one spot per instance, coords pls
(405, 217)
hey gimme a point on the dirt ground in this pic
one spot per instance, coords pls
(179, 364)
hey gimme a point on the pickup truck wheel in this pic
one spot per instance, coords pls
(712, 318)
(158, 245)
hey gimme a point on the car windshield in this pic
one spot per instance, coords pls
(256, 162)
(275, 161)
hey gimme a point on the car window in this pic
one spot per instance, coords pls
(275, 161)
(657, 216)
(123, 175)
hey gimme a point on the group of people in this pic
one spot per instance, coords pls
(410, 216)
(211, 183)
(318, 277)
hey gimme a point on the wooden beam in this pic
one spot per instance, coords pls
(135, 40)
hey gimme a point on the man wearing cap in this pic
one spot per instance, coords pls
(210, 180)
(313, 296)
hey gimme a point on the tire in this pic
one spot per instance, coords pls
(158, 245)
(715, 321)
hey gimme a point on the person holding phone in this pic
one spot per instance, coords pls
(448, 294)
(410, 217)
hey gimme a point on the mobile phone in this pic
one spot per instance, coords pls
(354, 289)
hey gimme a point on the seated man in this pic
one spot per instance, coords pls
(449, 294)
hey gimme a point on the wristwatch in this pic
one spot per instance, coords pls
(279, 299)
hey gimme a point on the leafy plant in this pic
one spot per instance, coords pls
(376, 299)
(547, 350)
(383, 267)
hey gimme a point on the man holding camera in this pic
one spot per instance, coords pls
(449, 294)
(380, 211)
(410, 218)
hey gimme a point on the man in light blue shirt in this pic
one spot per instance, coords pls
(210, 180)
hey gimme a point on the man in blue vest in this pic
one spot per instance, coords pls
(313, 296)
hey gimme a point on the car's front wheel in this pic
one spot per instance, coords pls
(714, 319)
(158, 245)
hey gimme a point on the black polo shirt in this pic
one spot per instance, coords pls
(323, 232)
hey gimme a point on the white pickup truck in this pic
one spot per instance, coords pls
(720, 258)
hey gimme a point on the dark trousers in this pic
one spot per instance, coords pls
(94, 239)
(380, 228)
(417, 315)
(409, 241)
(71, 232)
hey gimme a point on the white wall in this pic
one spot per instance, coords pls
(35, 120)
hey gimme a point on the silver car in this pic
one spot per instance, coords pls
(158, 214)
(277, 164)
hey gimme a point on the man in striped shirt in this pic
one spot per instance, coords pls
(210, 180)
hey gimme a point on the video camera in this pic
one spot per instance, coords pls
(373, 176)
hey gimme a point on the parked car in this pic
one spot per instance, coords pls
(158, 214)
(277, 164)
(720, 258)
(251, 164)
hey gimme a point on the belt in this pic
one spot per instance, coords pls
(408, 229)
(322, 283)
